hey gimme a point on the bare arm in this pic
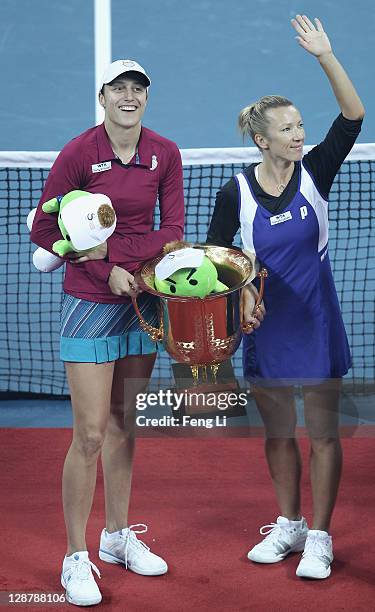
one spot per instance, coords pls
(314, 39)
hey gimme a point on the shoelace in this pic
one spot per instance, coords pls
(131, 538)
(272, 531)
(82, 569)
(315, 547)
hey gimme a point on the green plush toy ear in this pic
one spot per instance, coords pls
(219, 287)
(51, 206)
(62, 247)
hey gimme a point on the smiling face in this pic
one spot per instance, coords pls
(124, 101)
(285, 134)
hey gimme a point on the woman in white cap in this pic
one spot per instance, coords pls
(281, 206)
(108, 358)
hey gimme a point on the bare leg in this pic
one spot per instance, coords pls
(277, 409)
(131, 376)
(90, 386)
(322, 422)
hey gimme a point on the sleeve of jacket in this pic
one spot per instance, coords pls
(225, 222)
(66, 175)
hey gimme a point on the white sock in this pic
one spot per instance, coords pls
(293, 521)
(81, 553)
(114, 534)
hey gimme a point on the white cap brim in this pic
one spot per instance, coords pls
(184, 258)
(82, 224)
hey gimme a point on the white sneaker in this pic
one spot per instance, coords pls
(317, 556)
(78, 581)
(282, 538)
(125, 548)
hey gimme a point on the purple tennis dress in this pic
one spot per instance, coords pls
(302, 339)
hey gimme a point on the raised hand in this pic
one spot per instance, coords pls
(311, 37)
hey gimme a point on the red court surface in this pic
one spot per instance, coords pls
(204, 499)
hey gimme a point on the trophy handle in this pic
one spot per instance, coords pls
(262, 275)
(154, 333)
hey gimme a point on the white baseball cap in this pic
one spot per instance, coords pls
(120, 67)
(82, 223)
(183, 258)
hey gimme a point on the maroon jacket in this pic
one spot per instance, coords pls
(88, 163)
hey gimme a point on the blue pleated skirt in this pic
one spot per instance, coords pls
(98, 333)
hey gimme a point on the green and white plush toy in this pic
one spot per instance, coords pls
(186, 272)
(85, 221)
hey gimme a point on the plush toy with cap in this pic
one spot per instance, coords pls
(85, 221)
(186, 271)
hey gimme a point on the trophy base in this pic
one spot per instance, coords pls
(208, 398)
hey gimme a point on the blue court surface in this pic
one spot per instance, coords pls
(207, 59)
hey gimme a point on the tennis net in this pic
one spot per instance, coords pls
(30, 304)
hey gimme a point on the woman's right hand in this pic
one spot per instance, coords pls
(311, 37)
(122, 282)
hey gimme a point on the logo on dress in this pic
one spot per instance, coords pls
(154, 162)
(281, 218)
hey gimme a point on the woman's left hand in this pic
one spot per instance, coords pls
(311, 37)
(250, 316)
(99, 252)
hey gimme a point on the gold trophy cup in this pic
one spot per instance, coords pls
(202, 332)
